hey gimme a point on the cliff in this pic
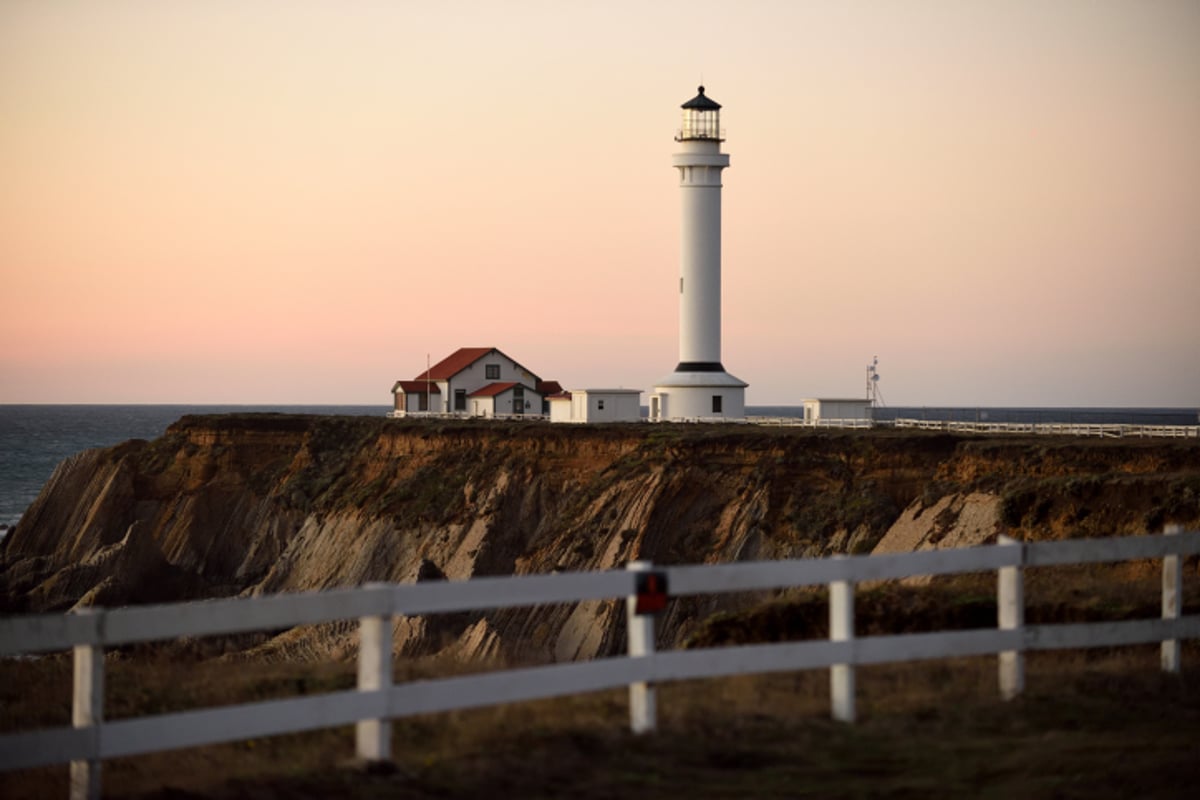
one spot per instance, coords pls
(251, 504)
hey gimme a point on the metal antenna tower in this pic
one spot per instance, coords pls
(873, 395)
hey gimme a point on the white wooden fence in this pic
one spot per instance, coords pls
(1103, 430)
(1100, 429)
(377, 700)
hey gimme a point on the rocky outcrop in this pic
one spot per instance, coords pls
(956, 520)
(254, 504)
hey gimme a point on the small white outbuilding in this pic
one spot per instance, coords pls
(596, 405)
(834, 409)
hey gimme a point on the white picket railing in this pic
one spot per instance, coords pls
(1107, 430)
(377, 700)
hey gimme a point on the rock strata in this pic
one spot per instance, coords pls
(256, 504)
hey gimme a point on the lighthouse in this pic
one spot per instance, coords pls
(699, 388)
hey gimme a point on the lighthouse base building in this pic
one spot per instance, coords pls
(698, 395)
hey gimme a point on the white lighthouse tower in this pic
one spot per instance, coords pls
(699, 388)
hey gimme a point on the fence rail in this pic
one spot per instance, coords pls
(1100, 429)
(377, 700)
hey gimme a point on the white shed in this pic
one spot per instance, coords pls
(597, 405)
(560, 407)
(831, 410)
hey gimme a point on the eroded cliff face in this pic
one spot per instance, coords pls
(252, 504)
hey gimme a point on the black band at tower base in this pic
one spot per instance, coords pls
(699, 366)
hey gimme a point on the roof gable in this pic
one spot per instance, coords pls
(464, 357)
(454, 363)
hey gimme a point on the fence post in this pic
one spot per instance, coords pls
(87, 709)
(1172, 600)
(373, 737)
(841, 629)
(643, 706)
(1010, 603)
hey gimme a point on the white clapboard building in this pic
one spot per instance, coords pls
(476, 382)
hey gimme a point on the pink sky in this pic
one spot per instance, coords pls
(295, 202)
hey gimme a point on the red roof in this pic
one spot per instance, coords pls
(560, 396)
(493, 389)
(454, 363)
(417, 387)
(549, 387)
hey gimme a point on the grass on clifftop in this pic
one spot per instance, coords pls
(1094, 725)
(1104, 723)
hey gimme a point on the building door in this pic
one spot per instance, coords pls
(460, 399)
(518, 399)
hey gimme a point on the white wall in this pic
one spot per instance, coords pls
(503, 403)
(560, 409)
(700, 163)
(679, 402)
(410, 402)
(598, 405)
(836, 408)
(475, 377)
(481, 406)
(609, 405)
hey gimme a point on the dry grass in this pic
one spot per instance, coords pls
(1100, 723)
(1096, 724)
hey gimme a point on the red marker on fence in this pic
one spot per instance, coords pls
(651, 590)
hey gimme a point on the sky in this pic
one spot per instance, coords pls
(299, 202)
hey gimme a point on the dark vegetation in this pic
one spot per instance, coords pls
(1055, 595)
(1093, 725)
(1096, 724)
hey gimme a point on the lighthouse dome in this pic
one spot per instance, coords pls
(702, 102)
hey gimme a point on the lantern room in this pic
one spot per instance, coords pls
(701, 119)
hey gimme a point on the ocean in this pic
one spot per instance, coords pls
(35, 438)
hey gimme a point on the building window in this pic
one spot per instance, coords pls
(460, 399)
(599, 405)
(716, 404)
(492, 372)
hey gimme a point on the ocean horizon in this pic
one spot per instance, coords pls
(35, 438)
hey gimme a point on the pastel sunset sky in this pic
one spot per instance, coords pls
(295, 202)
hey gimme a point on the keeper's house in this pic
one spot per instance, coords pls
(476, 382)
